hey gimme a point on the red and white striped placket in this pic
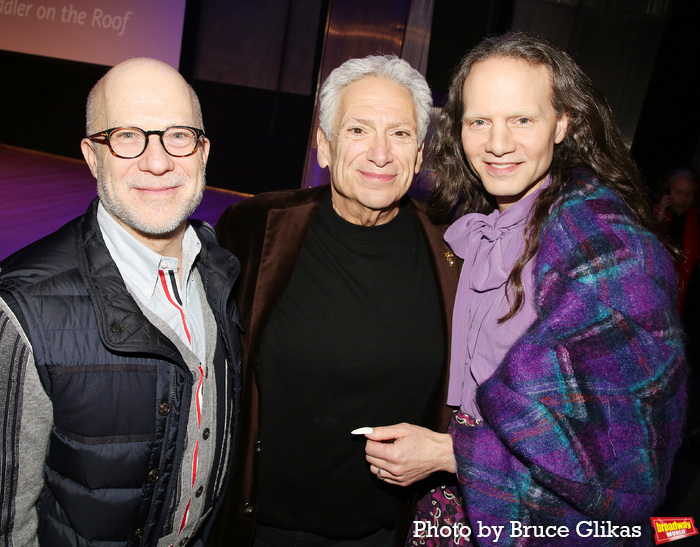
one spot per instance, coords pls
(173, 295)
(169, 284)
(198, 403)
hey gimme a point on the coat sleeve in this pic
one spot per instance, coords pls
(584, 415)
(26, 427)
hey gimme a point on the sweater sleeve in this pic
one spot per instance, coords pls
(27, 421)
(584, 415)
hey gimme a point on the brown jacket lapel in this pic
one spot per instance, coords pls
(266, 233)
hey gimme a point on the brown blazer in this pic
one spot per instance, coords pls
(266, 233)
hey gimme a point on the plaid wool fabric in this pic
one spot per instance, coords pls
(584, 415)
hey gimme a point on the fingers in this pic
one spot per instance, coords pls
(395, 445)
(665, 202)
(384, 475)
(403, 453)
(362, 431)
(379, 463)
(383, 434)
(385, 451)
(391, 472)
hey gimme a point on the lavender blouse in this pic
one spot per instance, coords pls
(490, 245)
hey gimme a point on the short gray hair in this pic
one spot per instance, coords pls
(381, 66)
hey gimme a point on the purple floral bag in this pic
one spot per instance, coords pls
(439, 520)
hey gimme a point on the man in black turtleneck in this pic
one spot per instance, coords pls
(346, 296)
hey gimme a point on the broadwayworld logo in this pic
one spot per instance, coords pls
(671, 529)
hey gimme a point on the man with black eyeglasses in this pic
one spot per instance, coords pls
(119, 339)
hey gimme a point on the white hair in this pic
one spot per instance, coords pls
(382, 66)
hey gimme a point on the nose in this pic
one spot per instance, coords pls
(500, 141)
(155, 159)
(379, 151)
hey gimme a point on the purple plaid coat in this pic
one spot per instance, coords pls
(584, 414)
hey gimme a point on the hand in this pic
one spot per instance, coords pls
(408, 453)
(664, 204)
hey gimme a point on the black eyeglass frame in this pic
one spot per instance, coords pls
(106, 134)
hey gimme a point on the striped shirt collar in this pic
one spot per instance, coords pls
(139, 265)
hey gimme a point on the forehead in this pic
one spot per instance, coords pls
(505, 83)
(148, 97)
(373, 96)
(682, 183)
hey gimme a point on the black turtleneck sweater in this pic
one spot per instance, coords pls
(356, 340)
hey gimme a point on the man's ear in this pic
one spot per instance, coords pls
(88, 149)
(419, 159)
(323, 150)
(205, 150)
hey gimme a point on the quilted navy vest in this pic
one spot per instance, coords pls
(120, 390)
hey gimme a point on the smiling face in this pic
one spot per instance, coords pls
(152, 195)
(373, 153)
(510, 127)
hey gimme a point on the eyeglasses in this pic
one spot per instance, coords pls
(130, 142)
